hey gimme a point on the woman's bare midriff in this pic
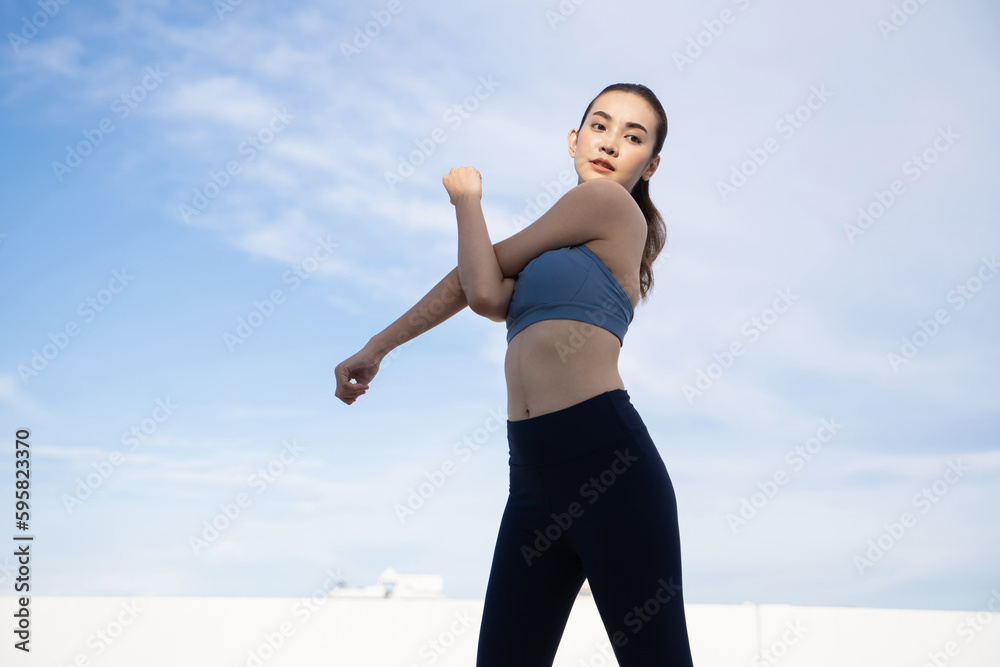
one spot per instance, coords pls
(553, 364)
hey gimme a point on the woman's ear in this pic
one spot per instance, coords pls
(651, 169)
(571, 141)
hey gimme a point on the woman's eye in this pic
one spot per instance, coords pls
(599, 126)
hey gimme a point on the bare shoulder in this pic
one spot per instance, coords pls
(624, 222)
(601, 196)
(592, 210)
(606, 191)
(620, 248)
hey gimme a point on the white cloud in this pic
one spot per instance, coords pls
(12, 394)
(294, 239)
(225, 99)
(59, 54)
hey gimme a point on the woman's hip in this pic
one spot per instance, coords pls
(594, 423)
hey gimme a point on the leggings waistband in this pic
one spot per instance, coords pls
(572, 431)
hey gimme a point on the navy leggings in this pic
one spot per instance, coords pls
(589, 498)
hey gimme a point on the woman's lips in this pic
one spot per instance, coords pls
(601, 168)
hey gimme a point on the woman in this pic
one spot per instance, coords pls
(590, 497)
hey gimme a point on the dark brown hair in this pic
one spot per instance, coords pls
(656, 229)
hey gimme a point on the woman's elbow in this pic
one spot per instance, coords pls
(481, 304)
(489, 307)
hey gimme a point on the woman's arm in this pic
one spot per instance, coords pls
(444, 300)
(478, 269)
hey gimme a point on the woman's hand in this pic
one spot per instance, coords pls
(361, 367)
(463, 183)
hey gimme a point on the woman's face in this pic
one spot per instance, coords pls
(618, 129)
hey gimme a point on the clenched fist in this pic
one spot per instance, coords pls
(463, 183)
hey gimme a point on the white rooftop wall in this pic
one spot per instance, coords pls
(400, 632)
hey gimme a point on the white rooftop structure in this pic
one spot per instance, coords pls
(395, 585)
(405, 621)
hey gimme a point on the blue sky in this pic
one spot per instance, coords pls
(198, 226)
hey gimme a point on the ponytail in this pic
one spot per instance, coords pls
(656, 236)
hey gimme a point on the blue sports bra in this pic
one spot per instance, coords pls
(569, 283)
